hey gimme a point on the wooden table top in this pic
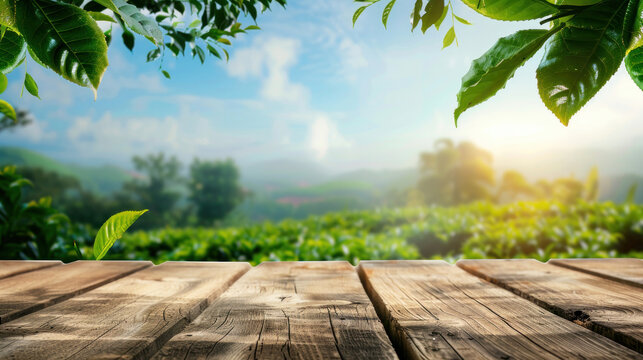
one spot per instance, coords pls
(476, 309)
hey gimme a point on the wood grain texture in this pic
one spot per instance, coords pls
(25, 293)
(434, 310)
(303, 310)
(607, 307)
(627, 271)
(129, 318)
(15, 267)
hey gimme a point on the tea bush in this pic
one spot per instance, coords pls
(541, 230)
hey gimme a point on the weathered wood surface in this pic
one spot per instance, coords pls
(31, 291)
(434, 310)
(610, 308)
(628, 271)
(305, 310)
(15, 267)
(127, 318)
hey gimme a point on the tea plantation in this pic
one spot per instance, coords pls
(541, 230)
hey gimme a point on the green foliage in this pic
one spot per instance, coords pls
(591, 38)
(64, 38)
(582, 57)
(29, 230)
(490, 73)
(512, 10)
(634, 65)
(541, 229)
(31, 86)
(112, 230)
(13, 52)
(8, 111)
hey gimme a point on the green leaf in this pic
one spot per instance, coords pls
(574, 2)
(359, 12)
(7, 13)
(214, 51)
(3, 83)
(7, 110)
(224, 41)
(634, 65)
(387, 12)
(441, 19)
(434, 9)
(31, 86)
(65, 38)
(512, 10)
(636, 32)
(99, 16)
(490, 73)
(252, 27)
(128, 40)
(416, 14)
(462, 20)
(448, 38)
(35, 58)
(138, 22)
(14, 49)
(581, 57)
(112, 230)
(166, 74)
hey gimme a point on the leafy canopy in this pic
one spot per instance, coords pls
(64, 37)
(586, 43)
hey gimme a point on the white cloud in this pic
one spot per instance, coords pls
(324, 136)
(352, 58)
(270, 59)
(36, 132)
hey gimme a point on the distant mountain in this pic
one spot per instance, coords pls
(382, 180)
(279, 174)
(102, 179)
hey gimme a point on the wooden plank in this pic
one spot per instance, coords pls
(292, 310)
(627, 271)
(434, 310)
(25, 293)
(15, 267)
(608, 307)
(128, 318)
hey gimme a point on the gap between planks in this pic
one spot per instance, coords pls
(432, 309)
(28, 292)
(128, 318)
(610, 308)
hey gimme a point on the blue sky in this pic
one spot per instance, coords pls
(309, 87)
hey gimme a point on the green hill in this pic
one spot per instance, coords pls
(102, 179)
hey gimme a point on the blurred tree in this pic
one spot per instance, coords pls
(157, 190)
(214, 189)
(23, 118)
(48, 183)
(87, 207)
(455, 174)
(513, 185)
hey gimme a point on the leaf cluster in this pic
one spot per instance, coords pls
(63, 35)
(586, 43)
